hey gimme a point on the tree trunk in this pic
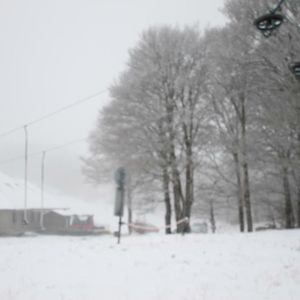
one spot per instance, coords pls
(189, 185)
(167, 200)
(271, 214)
(247, 198)
(289, 216)
(129, 207)
(212, 217)
(187, 214)
(298, 207)
(176, 181)
(240, 195)
(178, 198)
(246, 183)
(298, 185)
(177, 190)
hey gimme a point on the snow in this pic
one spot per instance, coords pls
(262, 265)
(230, 265)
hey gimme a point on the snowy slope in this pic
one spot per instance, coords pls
(12, 196)
(258, 266)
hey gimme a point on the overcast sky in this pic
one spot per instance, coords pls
(55, 52)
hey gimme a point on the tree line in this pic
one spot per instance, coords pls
(208, 118)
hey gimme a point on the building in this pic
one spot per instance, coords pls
(53, 220)
(12, 221)
(60, 222)
(82, 222)
(45, 221)
(56, 222)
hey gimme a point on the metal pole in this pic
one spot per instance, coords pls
(129, 202)
(122, 196)
(277, 7)
(120, 176)
(25, 176)
(120, 228)
(42, 190)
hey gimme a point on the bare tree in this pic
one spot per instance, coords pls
(153, 122)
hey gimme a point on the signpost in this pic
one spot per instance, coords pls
(120, 176)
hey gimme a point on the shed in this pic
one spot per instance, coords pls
(56, 222)
(12, 221)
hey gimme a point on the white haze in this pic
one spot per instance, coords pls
(56, 52)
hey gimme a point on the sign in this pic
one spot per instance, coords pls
(120, 175)
(119, 202)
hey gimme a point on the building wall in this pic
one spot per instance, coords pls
(56, 223)
(6, 223)
(11, 221)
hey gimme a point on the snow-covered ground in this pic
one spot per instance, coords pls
(264, 265)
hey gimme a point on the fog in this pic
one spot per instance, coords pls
(54, 53)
